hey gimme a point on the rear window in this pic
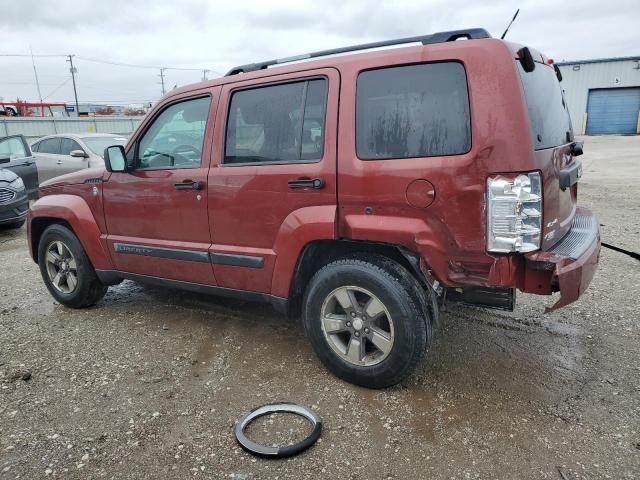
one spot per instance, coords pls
(413, 111)
(548, 113)
(98, 144)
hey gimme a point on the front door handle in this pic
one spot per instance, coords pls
(316, 183)
(189, 185)
(59, 162)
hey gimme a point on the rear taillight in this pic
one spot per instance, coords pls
(514, 212)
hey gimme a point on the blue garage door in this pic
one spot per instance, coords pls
(613, 110)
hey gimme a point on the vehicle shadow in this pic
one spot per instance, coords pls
(488, 352)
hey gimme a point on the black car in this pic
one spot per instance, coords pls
(14, 202)
(16, 155)
(18, 180)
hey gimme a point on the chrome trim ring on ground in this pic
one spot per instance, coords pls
(278, 452)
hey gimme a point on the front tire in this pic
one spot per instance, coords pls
(366, 320)
(66, 269)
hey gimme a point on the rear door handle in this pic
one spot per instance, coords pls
(188, 185)
(59, 162)
(316, 183)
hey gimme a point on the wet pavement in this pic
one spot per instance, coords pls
(148, 383)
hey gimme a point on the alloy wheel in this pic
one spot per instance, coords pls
(62, 267)
(357, 326)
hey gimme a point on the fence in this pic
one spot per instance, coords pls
(33, 128)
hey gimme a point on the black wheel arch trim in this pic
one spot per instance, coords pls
(237, 260)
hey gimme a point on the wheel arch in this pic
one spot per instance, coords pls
(319, 253)
(72, 212)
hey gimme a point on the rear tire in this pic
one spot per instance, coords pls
(66, 269)
(366, 320)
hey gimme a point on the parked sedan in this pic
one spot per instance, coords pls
(66, 153)
(14, 203)
(15, 155)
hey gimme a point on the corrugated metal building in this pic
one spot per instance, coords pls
(603, 95)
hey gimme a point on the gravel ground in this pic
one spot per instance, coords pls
(148, 383)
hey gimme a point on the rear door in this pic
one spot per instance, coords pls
(21, 161)
(276, 155)
(47, 154)
(552, 135)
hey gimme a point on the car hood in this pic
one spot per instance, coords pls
(7, 175)
(74, 178)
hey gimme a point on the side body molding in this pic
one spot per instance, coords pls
(297, 230)
(75, 211)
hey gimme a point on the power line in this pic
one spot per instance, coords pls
(27, 55)
(57, 88)
(151, 67)
(119, 64)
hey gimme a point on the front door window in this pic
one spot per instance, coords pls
(175, 138)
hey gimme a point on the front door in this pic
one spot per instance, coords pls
(67, 163)
(274, 162)
(156, 215)
(21, 162)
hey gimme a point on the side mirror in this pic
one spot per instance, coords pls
(78, 154)
(115, 159)
(5, 159)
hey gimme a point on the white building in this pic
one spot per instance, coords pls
(603, 95)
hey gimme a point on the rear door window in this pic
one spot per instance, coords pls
(50, 145)
(413, 111)
(548, 112)
(277, 123)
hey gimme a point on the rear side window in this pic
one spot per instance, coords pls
(548, 113)
(413, 111)
(277, 123)
(50, 145)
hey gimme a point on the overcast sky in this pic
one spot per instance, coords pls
(218, 35)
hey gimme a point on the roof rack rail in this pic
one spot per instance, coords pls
(439, 37)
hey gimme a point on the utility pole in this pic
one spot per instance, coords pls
(35, 73)
(204, 74)
(162, 80)
(73, 79)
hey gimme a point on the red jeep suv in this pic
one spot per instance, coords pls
(357, 192)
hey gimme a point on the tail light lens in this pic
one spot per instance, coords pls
(514, 213)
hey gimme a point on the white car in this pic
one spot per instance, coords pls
(65, 153)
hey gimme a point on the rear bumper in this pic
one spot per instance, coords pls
(569, 265)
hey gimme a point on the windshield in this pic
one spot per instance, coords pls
(548, 114)
(98, 144)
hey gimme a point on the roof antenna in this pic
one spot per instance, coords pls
(509, 26)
